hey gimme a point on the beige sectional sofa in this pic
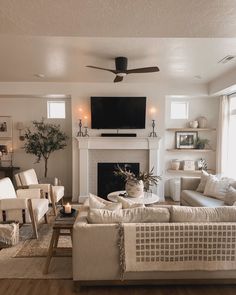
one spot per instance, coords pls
(189, 196)
(97, 249)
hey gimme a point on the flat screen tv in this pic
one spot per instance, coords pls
(118, 112)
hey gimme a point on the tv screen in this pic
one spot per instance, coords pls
(118, 112)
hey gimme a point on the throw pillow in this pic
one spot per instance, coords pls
(128, 203)
(135, 215)
(216, 188)
(202, 184)
(96, 202)
(230, 197)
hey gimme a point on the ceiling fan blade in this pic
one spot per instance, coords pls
(143, 70)
(113, 71)
(118, 79)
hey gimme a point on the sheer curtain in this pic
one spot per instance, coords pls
(222, 157)
(226, 143)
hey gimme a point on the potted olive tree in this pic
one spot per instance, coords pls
(43, 140)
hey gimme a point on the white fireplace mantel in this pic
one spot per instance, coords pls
(113, 143)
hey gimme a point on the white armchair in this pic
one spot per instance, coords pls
(24, 205)
(28, 179)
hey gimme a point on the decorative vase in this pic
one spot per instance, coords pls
(193, 124)
(175, 164)
(134, 188)
(202, 122)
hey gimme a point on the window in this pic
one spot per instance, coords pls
(179, 110)
(56, 110)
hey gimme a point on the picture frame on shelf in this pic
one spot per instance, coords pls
(185, 140)
(189, 165)
(5, 127)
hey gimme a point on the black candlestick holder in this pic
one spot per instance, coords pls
(86, 132)
(80, 132)
(153, 133)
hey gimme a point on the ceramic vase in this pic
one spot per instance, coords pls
(202, 122)
(134, 189)
(175, 164)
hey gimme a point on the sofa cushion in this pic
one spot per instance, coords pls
(230, 197)
(203, 214)
(134, 215)
(195, 199)
(203, 181)
(216, 188)
(126, 203)
(96, 202)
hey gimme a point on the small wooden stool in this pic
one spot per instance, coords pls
(60, 225)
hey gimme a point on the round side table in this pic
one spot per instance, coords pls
(146, 199)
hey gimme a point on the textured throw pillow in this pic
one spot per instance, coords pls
(216, 188)
(96, 202)
(202, 184)
(128, 203)
(135, 215)
(202, 214)
(230, 197)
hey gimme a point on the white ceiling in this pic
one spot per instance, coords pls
(58, 38)
(119, 18)
(64, 59)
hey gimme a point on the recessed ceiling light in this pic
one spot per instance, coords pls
(198, 77)
(40, 76)
(226, 59)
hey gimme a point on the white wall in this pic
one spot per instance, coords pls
(156, 97)
(80, 93)
(26, 110)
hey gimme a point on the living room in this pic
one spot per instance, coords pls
(187, 81)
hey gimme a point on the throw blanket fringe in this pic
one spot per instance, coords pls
(122, 250)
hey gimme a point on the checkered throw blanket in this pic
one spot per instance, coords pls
(177, 246)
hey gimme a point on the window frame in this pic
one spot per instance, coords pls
(50, 104)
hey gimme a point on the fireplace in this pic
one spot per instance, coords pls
(94, 150)
(108, 182)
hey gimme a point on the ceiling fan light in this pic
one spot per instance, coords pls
(121, 74)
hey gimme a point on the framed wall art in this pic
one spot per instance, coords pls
(185, 140)
(5, 127)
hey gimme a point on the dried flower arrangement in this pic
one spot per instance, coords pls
(147, 177)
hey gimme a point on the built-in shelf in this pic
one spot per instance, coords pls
(190, 150)
(188, 171)
(191, 129)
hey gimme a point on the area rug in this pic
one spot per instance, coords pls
(39, 248)
(27, 258)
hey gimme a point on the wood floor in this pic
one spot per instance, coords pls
(65, 287)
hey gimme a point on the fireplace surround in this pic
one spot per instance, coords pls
(109, 145)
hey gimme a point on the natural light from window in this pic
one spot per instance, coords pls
(179, 110)
(232, 139)
(56, 109)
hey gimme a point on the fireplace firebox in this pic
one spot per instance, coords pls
(108, 182)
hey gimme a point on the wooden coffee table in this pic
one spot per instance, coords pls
(63, 226)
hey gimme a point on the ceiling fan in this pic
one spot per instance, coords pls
(121, 69)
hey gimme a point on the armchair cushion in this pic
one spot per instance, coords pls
(40, 207)
(58, 192)
(28, 193)
(44, 186)
(28, 177)
(7, 190)
(11, 204)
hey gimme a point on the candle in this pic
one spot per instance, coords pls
(67, 208)
(85, 121)
(80, 112)
(153, 113)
